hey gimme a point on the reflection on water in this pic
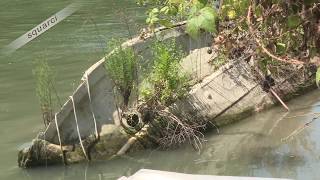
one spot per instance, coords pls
(252, 147)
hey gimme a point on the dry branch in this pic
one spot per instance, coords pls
(264, 49)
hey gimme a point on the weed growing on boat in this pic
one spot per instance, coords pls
(166, 82)
(165, 85)
(44, 88)
(121, 66)
(219, 61)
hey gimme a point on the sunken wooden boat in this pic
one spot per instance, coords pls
(88, 126)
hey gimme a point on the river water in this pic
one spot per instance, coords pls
(256, 146)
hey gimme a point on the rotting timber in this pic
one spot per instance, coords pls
(88, 126)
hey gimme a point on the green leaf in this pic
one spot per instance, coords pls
(173, 10)
(258, 11)
(154, 11)
(148, 20)
(209, 21)
(281, 48)
(165, 9)
(204, 19)
(196, 7)
(281, 44)
(293, 21)
(318, 76)
(193, 27)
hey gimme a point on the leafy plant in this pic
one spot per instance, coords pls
(154, 18)
(274, 36)
(234, 8)
(166, 82)
(44, 89)
(293, 21)
(198, 13)
(219, 61)
(201, 18)
(121, 66)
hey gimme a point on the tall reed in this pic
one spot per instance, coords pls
(44, 89)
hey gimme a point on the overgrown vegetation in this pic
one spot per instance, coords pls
(121, 65)
(199, 14)
(163, 86)
(44, 88)
(275, 35)
(277, 38)
(166, 82)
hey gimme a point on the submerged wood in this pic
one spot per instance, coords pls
(220, 96)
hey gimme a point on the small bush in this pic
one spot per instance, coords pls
(121, 66)
(166, 83)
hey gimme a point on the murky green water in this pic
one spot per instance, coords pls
(252, 147)
(70, 47)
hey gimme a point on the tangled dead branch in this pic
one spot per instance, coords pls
(179, 130)
(168, 129)
(264, 49)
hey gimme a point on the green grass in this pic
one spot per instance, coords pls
(44, 88)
